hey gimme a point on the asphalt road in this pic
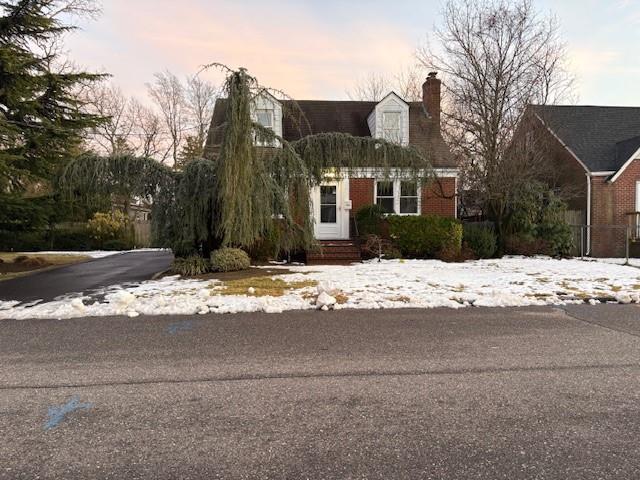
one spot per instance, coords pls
(535, 393)
(85, 277)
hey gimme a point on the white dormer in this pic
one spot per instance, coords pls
(267, 111)
(390, 120)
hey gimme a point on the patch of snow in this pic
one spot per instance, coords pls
(511, 281)
(633, 262)
(325, 300)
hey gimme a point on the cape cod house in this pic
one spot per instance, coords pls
(336, 201)
(597, 154)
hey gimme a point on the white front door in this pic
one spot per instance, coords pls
(331, 207)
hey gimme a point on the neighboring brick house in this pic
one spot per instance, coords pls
(597, 152)
(409, 123)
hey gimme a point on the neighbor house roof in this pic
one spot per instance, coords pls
(305, 117)
(603, 138)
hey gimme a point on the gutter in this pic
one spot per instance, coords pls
(588, 249)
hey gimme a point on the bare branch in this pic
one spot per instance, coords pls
(496, 57)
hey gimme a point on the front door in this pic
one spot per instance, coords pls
(330, 210)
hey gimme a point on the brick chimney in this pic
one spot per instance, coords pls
(431, 98)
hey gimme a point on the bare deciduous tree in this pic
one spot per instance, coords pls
(201, 98)
(112, 136)
(496, 57)
(168, 93)
(407, 84)
(77, 8)
(370, 88)
(149, 139)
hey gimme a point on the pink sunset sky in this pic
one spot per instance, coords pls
(319, 49)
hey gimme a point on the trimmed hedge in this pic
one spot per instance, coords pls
(425, 236)
(229, 260)
(38, 240)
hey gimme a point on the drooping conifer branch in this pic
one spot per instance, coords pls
(258, 185)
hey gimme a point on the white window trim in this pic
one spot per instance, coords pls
(400, 138)
(272, 114)
(396, 195)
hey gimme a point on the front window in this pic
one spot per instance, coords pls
(408, 197)
(384, 195)
(398, 196)
(265, 117)
(391, 126)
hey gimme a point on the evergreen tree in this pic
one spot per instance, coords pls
(41, 122)
(192, 148)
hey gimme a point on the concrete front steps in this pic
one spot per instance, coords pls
(335, 252)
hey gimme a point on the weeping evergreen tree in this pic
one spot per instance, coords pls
(256, 185)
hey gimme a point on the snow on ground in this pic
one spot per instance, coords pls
(505, 282)
(92, 254)
(634, 262)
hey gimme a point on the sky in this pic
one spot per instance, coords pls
(320, 49)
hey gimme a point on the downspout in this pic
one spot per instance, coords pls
(588, 214)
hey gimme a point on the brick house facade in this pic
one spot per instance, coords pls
(435, 199)
(597, 154)
(416, 124)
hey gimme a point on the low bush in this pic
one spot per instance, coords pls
(538, 225)
(527, 245)
(425, 237)
(229, 260)
(453, 255)
(190, 266)
(76, 238)
(481, 239)
(370, 219)
(104, 227)
(558, 237)
(24, 241)
(117, 244)
(374, 246)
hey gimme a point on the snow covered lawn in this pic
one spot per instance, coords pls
(389, 284)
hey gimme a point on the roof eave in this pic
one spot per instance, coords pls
(564, 145)
(624, 166)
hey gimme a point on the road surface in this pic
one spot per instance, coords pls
(532, 393)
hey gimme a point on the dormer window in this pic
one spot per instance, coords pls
(392, 127)
(265, 117)
(267, 111)
(389, 120)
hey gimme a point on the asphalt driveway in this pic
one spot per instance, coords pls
(533, 393)
(85, 277)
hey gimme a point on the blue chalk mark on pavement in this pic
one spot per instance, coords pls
(58, 414)
(185, 326)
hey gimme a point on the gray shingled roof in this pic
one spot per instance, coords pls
(603, 138)
(350, 117)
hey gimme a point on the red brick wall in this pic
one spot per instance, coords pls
(439, 198)
(360, 193)
(610, 203)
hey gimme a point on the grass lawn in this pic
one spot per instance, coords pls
(17, 264)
